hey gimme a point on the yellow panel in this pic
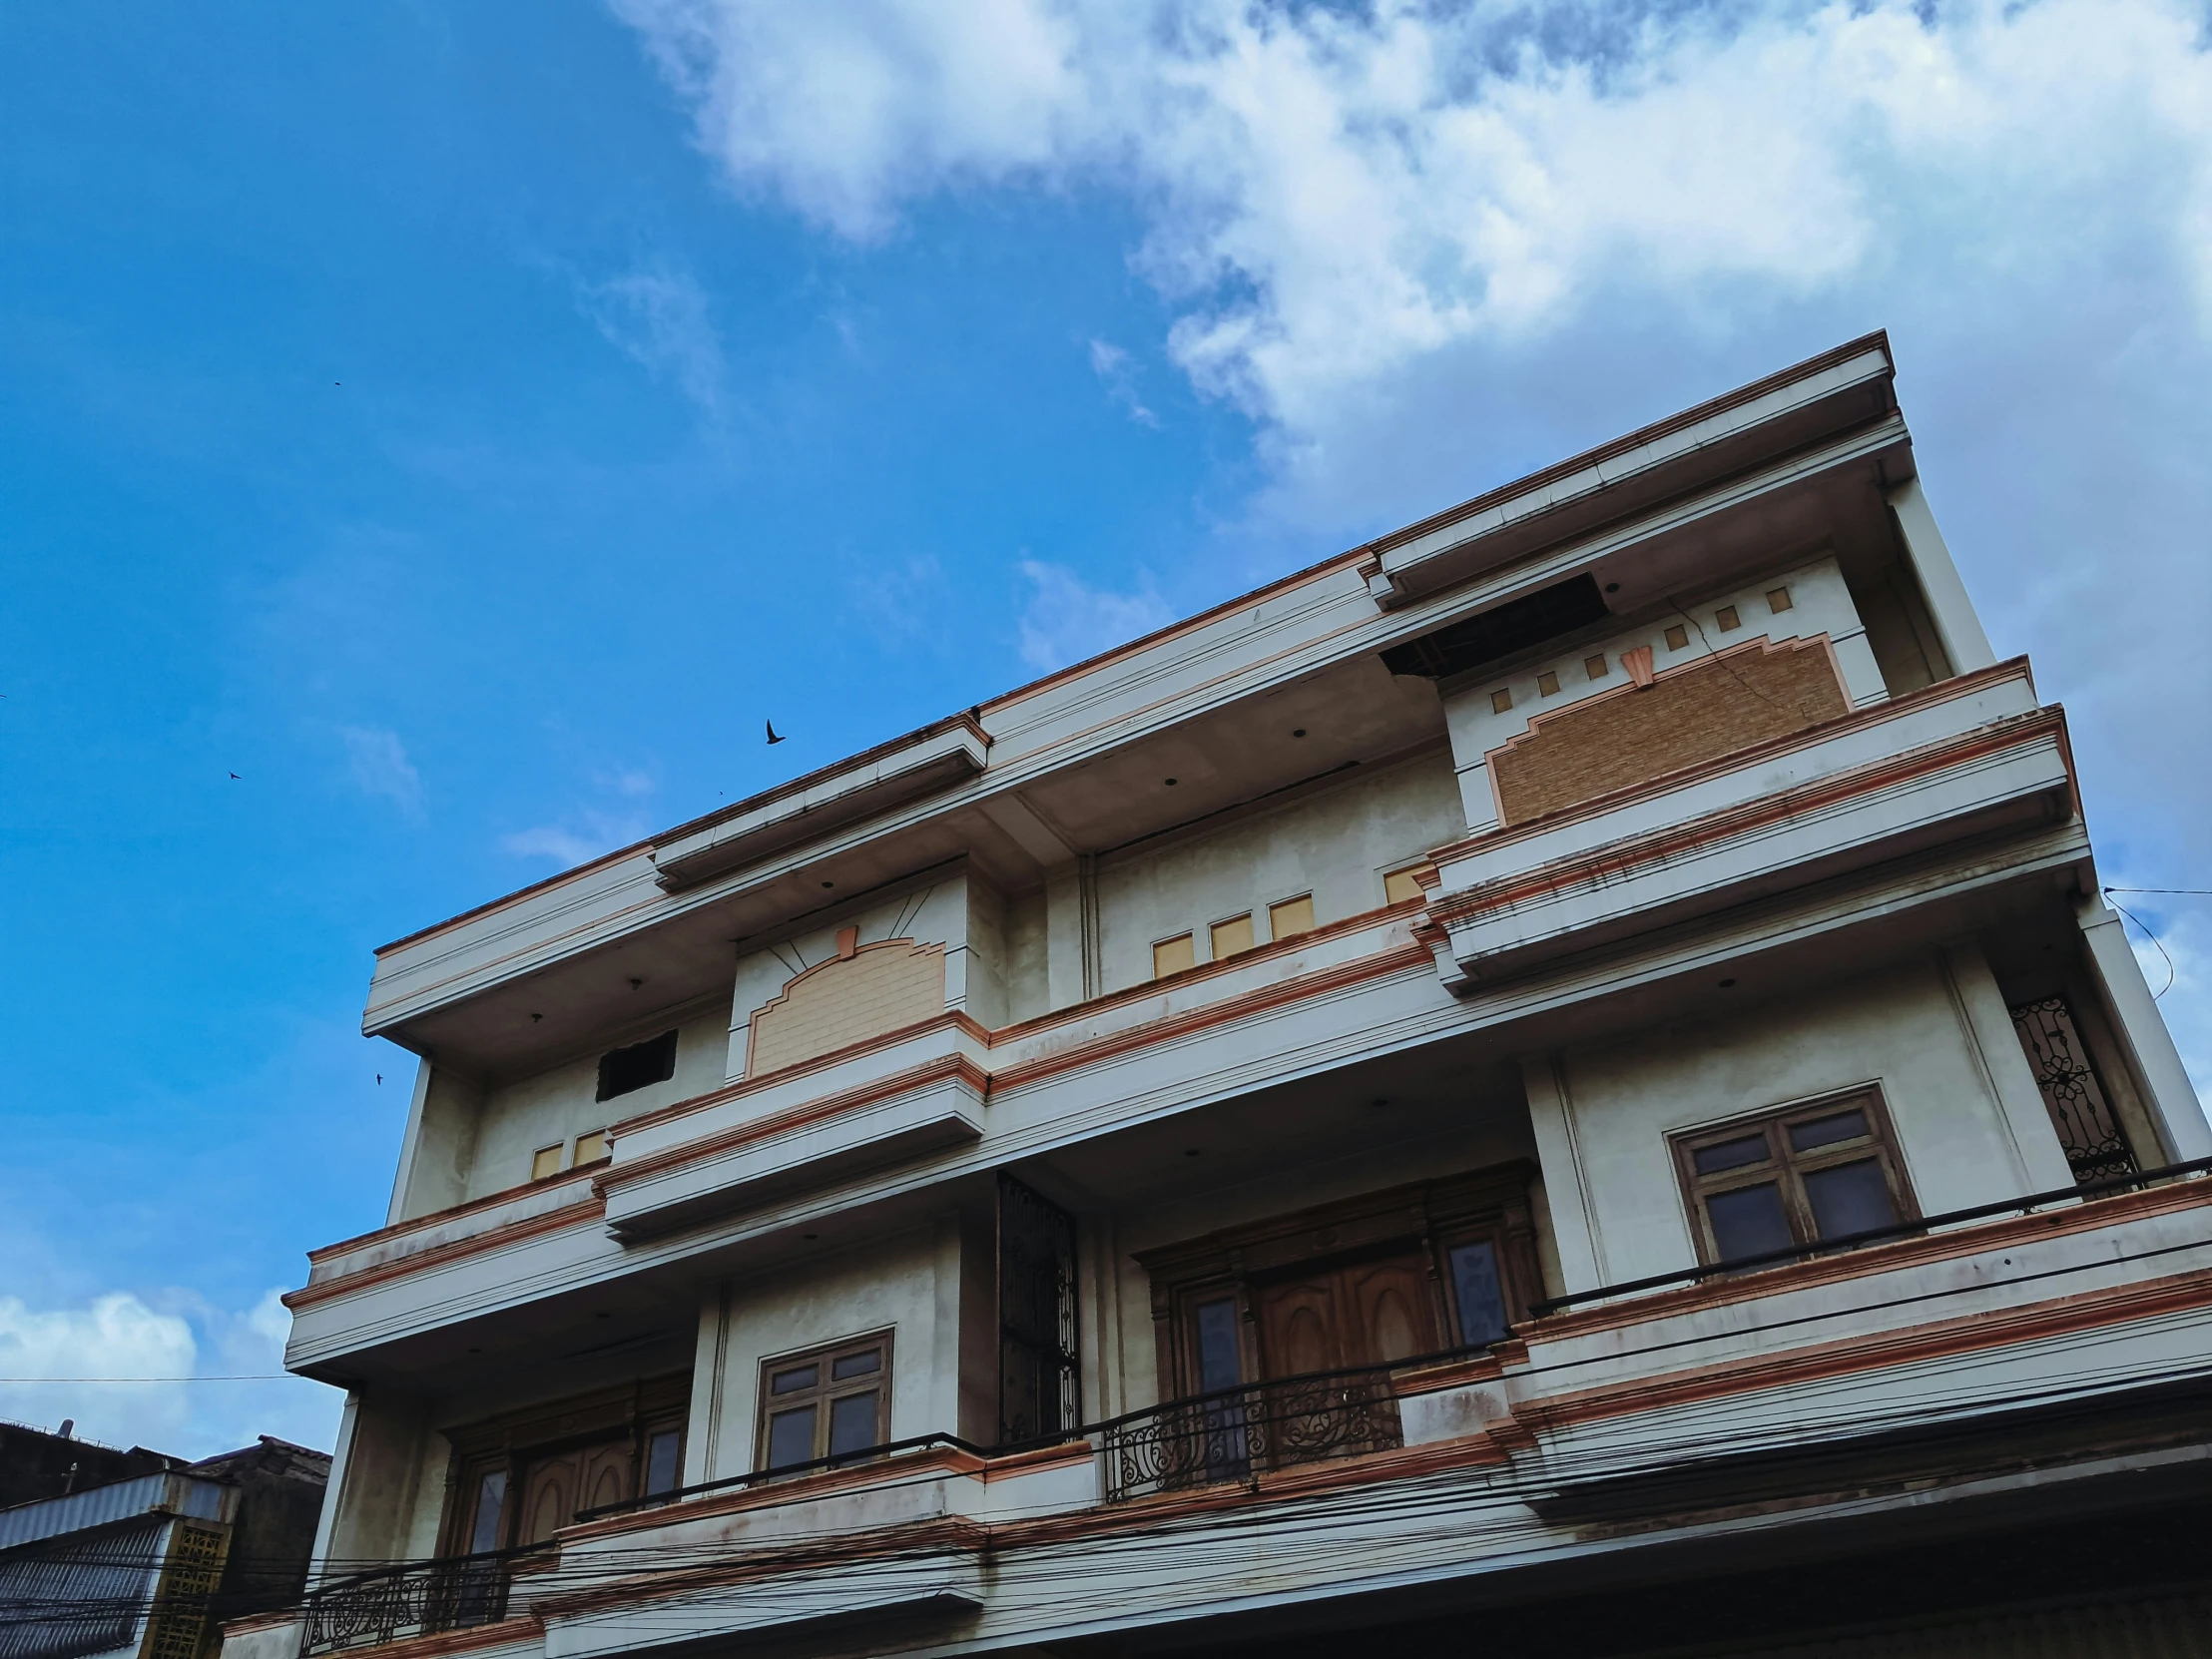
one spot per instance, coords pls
(1292, 916)
(591, 1147)
(1173, 955)
(1402, 885)
(544, 1162)
(1232, 937)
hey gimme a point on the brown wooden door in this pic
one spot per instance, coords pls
(1363, 1314)
(556, 1486)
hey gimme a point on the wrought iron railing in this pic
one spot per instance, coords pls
(1236, 1433)
(416, 1598)
(2028, 1204)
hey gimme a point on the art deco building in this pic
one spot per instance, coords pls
(1558, 1080)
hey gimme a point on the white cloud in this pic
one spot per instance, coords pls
(658, 316)
(1118, 375)
(378, 762)
(116, 1336)
(567, 847)
(1067, 620)
(1426, 249)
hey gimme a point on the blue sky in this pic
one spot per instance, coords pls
(467, 424)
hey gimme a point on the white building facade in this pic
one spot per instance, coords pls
(1331, 1123)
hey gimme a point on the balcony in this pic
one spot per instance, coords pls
(1890, 1374)
(1970, 757)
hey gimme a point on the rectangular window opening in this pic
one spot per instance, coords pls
(1678, 637)
(828, 1403)
(1596, 666)
(1232, 937)
(1547, 684)
(1291, 916)
(1401, 887)
(1727, 619)
(591, 1146)
(1778, 599)
(623, 1070)
(1792, 1178)
(1173, 955)
(545, 1163)
(1501, 702)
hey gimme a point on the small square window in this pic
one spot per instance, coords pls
(1677, 637)
(827, 1404)
(591, 1146)
(545, 1163)
(1595, 667)
(1547, 684)
(1727, 619)
(1401, 887)
(1232, 937)
(622, 1070)
(1778, 599)
(1291, 917)
(1795, 1177)
(1501, 702)
(1173, 955)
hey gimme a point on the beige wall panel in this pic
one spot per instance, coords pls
(881, 988)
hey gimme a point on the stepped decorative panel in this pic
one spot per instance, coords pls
(848, 999)
(1686, 716)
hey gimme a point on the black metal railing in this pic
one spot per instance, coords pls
(1236, 1433)
(2027, 1204)
(418, 1598)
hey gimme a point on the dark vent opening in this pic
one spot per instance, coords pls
(624, 1069)
(1494, 635)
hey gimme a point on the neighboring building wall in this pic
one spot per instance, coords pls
(1336, 844)
(36, 1465)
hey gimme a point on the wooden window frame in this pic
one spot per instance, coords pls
(1786, 1167)
(822, 1393)
(1432, 1216)
(508, 1442)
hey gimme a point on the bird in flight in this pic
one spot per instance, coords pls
(771, 736)
(234, 774)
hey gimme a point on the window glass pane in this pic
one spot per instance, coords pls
(1482, 1298)
(1745, 1149)
(491, 1496)
(664, 1463)
(1218, 1367)
(853, 1423)
(1849, 1198)
(1748, 1221)
(797, 1378)
(856, 1364)
(791, 1438)
(1844, 1126)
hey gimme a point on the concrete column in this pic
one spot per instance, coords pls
(1959, 628)
(1575, 1219)
(341, 1458)
(2142, 1033)
(1979, 1005)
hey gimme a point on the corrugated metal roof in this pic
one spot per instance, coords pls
(171, 1494)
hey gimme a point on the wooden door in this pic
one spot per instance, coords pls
(1362, 1314)
(555, 1486)
(548, 1495)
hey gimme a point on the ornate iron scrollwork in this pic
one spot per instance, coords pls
(2087, 1129)
(1039, 1375)
(416, 1601)
(1234, 1433)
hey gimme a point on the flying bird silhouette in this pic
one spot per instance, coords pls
(771, 736)
(234, 774)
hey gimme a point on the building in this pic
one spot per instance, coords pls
(1559, 1078)
(137, 1554)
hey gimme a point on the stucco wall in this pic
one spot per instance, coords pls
(1335, 845)
(937, 910)
(911, 1285)
(519, 1117)
(1605, 1112)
